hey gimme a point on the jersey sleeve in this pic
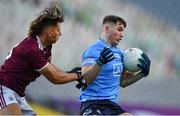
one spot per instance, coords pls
(37, 59)
(49, 47)
(89, 57)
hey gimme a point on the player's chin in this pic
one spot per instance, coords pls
(55, 40)
(116, 43)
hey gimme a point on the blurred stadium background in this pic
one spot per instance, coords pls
(153, 25)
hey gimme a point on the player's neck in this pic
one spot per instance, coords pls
(43, 40)
(105, 39)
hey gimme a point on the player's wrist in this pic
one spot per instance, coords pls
(78, 76)
(82, 82)
(99, 63)
(140, 75)
(75, 76)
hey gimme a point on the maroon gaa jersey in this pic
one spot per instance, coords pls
(23, 63)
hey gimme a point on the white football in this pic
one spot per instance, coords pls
(130, 59)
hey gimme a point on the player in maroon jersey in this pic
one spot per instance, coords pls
(29, 59)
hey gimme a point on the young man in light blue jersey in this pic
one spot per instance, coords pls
(102, 68)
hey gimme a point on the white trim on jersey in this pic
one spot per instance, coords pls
(42, 67)
(40, 45)
(88, 61)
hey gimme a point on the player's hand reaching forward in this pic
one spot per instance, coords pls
(80, 79)
(106, 56)
(144, 65)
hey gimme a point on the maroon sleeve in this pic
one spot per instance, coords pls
(37, 59)
(49, 47)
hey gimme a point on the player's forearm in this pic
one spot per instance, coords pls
(62, 77)
(130, 79)
(66, 78)
(90, 73)
(58, 76)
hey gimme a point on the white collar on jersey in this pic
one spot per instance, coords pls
(40, 45)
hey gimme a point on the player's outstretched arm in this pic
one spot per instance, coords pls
(91, 72)
(58, 76)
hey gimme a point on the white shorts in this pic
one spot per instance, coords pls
(8, 96)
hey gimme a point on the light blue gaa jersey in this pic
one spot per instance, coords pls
(106, 85)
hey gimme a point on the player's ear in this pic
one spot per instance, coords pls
(106, 28)
(49, 32)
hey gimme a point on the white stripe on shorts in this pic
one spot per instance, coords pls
(2, 101)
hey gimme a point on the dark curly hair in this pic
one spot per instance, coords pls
(49, 16)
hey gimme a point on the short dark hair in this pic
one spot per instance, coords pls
(49, 16)
(114, 19)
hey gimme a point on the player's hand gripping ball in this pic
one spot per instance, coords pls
(144, 64)
(135, 59)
